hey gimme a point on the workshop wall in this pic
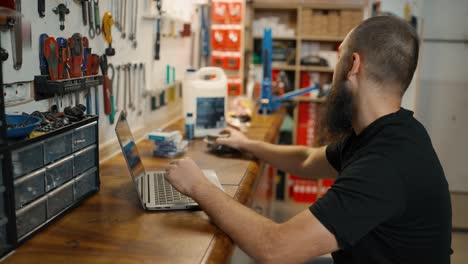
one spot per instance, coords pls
(397, 7)
(174, 51)
(443, 98)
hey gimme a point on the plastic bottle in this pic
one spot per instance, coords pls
(205, 96)
(189, 126)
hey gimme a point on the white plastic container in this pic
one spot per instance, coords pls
(205, 95)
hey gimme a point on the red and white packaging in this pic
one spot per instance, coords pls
(234, 86)
(219, 11)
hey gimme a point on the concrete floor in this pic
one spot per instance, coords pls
(460, 222)
(282, 211)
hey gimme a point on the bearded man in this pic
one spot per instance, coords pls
(390, 202)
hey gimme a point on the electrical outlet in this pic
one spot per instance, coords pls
(16, 92)
(22, 91)
(9, 93)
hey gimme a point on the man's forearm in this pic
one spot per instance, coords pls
(286, 158)
(252, 232)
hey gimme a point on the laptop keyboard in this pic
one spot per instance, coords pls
(166, 194)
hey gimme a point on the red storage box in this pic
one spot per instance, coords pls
(234, 86)
(235, 12)
(218, 38)
(307, 120)
(217, 60)
(219, 11)
(304, 190)
(233, 38)
(232, 61)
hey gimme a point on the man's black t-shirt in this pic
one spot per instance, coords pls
(390, 202)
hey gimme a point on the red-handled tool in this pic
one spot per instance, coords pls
(92, 67)
(52, 57)
(76, 54)
(63, 58)
(106, 84)
(86, 52)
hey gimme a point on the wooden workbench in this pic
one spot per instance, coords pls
(111, 226)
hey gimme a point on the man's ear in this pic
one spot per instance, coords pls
(355, 66)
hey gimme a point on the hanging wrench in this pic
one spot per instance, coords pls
(117, 88)
(97, 17)
(84, 9)
(17, 39)
(92, 32)
(115, 7)
(137, 87)
(144, 94)
(131, 36)
(133, 23)
(130, 88)
(124, 77)
(123, 17)
(112, 104)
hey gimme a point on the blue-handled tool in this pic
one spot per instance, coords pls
(268, 102)
(88, 102)
(42, 59)
(86, 51)
(205, 34)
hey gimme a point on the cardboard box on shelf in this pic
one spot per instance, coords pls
(333, 26)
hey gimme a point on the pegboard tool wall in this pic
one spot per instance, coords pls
(174, 51)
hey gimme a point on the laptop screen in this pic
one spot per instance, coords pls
(129, 149)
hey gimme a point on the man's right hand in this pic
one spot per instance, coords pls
(235, 140)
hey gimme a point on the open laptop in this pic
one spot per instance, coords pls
(154, 192)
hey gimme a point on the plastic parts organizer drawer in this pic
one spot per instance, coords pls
(2, 202)
(84, 136)
(85, 183)
(30, 217)
(3, 233)
(59, 173)
(27, 159)
(1, 169)
(57, 147)
(59, 199)
(29, 187)
(84, 159)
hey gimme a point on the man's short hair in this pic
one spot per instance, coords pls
(389, 47)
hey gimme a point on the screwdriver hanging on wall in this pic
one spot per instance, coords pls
(17, 38)
(61, 10)
(133, 23)
(158, 31)
(84, 9)
(41, 8)
(123, 18)
(97, 18)
(92, 31)
(106, 84)
(42, 59)
(52, 57)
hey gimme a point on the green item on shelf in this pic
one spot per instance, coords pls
(257, 59)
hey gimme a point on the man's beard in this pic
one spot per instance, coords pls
(338, 115)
